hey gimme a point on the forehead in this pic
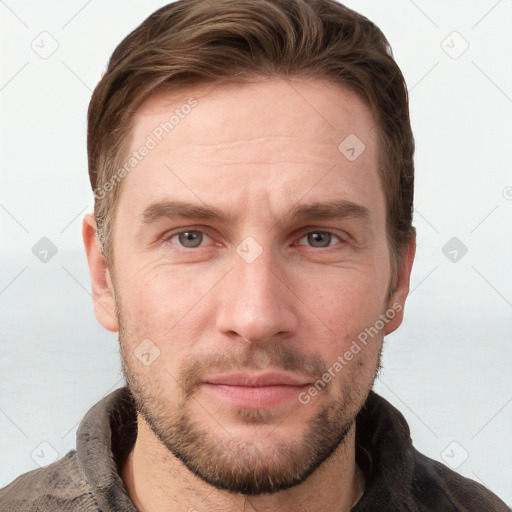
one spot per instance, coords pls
(266, 143)
(313, 109)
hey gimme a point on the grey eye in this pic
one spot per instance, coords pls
(190, 239)
(319, 238)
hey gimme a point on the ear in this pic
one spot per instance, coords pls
(397, 300)
(102, 288)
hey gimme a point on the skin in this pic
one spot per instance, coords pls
(255, 152)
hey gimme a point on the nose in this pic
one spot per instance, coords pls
(257, 302)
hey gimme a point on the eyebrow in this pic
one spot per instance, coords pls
(335, 210)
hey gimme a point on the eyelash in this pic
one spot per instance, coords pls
(168, 237)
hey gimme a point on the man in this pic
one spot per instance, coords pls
(252, 163)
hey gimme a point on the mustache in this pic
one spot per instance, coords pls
(275, 356)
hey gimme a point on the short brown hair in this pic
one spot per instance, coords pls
(190, 42)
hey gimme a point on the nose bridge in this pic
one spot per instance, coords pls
(257, 278)
(256, 304)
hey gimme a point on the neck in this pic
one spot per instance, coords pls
(157, 481)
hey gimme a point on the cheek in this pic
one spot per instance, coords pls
(165, 305)
(152, 291)
(344, 313)
(346, 299)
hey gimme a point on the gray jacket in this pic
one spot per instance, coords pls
(398, 477)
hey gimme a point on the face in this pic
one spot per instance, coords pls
(251, 263)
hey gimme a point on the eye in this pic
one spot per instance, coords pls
(188, 239)
(320, 238)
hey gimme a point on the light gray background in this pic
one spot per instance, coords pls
(448, 368)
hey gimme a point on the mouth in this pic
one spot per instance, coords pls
(256, 390)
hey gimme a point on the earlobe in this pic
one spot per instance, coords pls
(397, 300)
(102, 289)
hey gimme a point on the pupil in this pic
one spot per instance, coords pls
(191, 238)
(319, 239)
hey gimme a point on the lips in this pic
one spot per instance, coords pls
(255, 390)
(257, 380)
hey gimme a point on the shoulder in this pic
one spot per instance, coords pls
(401, 477)
(463, 493)
(58, 487)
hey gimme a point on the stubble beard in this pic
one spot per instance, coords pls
(241, 465)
